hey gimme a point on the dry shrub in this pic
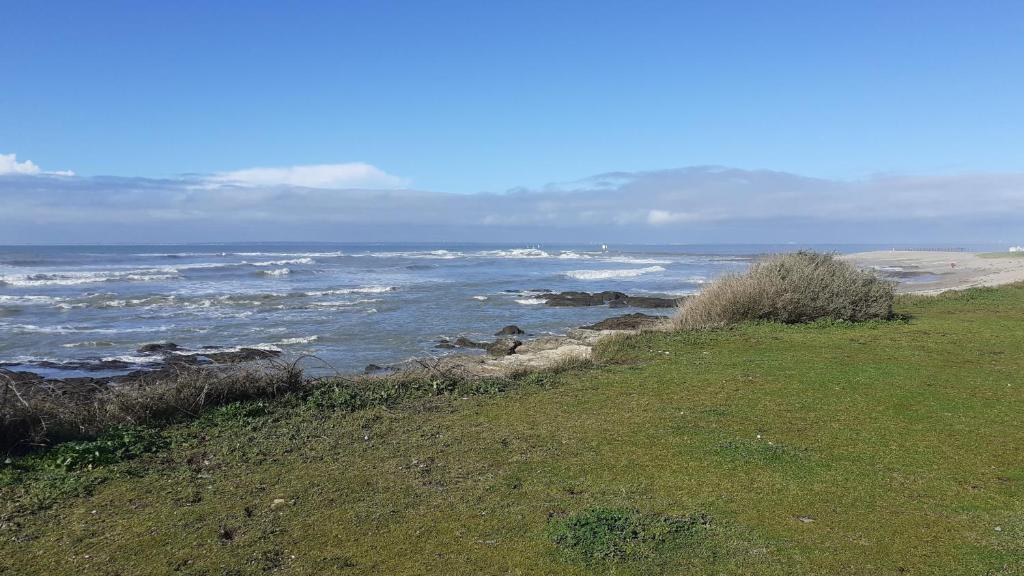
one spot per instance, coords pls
(790, 288)
(34, 413)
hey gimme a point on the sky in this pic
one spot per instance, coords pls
(512, 121)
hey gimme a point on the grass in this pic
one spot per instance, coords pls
(1017, 254)
(886, 447)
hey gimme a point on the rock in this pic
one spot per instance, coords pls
(20, 377)
(463, 342)
(158, 348)
(634, 321)
(503, 347)
(610, 298)
(510, 330)
(444, 344)
(277, 503)
(652, 302)
(573, 298)
(242, 355)
(544, 343)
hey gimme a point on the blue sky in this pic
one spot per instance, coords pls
(471, 97)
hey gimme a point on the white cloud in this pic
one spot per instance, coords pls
(9, 165)
(329, 176)
(661, 217)
(698, 204)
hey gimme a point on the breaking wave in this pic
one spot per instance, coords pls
(607, 274)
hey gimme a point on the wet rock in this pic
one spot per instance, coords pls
(463, 342)
(158, 348)
(242, 355)
(444, 344)
(651, 302)
(610, 298)
(510, 330)
(503, 347)
(375, 369)
(626, 322)
(574, 298)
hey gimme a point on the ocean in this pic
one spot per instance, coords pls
(67, 310)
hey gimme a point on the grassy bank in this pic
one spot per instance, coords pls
(877, 448)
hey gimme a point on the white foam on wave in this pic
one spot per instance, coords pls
(343, 303)
(431, 254)
(133, 359)
(634, 260)
(278, 272)
(289, 254)
(32, 328)
(89, 344)
(28, 299)
(570, 255)
(531, 301)
(480, 298)
(608, 274)
(299, 340)
(357, 290)
(73, 278)
(515, 253)
(293, 261)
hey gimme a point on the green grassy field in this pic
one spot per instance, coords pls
(880, 448)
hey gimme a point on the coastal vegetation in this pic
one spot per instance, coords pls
(790, 288)
(886, 446)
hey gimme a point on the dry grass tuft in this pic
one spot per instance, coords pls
(37, 413)
(790, 288)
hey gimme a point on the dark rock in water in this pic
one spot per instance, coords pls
(242, 355)
(158, 348)
(503, 347)
(463, 342)
(86, 365)
(444, 344)
(626, 322)
(652, 302)
(573, 298)
(610, 298)
(510, 330)
(375, 369)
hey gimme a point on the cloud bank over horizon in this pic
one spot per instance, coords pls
(360, 202)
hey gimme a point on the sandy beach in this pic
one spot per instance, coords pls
(924, 272)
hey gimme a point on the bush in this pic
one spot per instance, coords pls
(34, 414)
(790, 288)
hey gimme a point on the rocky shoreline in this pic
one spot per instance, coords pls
(512, 348)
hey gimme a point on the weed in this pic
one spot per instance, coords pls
(619, 534)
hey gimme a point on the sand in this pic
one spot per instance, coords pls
(921, 272)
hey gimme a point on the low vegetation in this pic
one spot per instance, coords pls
(790, 288)
(827, 447)
(34, 415)
(602, 535)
